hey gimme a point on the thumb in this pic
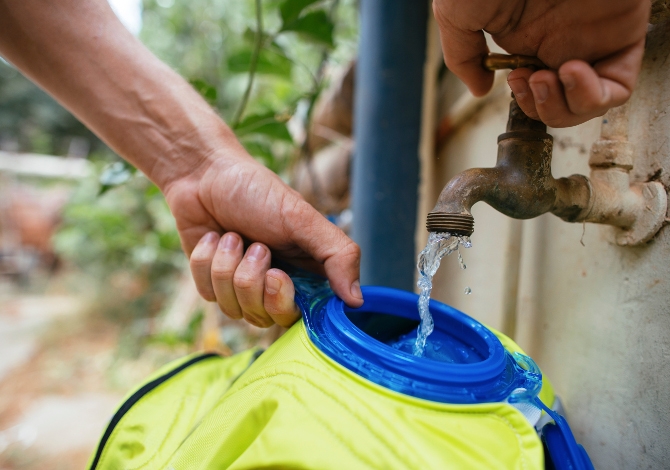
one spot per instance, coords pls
(330, 246)
(464, 50)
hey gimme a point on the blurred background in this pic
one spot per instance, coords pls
(95, 293)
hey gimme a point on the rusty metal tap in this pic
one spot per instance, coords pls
(521, 184)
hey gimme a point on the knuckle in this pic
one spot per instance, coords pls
(257, 320)
(199, 260)
(222, 272)
(351, 250)
(586, 106)
(244, 281)
(230, 312)
(273, 309)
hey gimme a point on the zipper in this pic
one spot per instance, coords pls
(135, 397)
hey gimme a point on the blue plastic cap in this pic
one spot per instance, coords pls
(491, 374)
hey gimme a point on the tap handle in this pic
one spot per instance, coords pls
(495, 61)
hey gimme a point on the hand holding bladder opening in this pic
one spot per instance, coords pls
(594, 47)
(244, 198)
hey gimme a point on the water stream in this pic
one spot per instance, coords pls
(439, 245)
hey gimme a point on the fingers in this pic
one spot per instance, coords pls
(242, 284)
(278, 298)
(201, 265)
(328, 245)
(248, 283)
(518, 83)
(226, 260)
(464, 50)
(578, 92)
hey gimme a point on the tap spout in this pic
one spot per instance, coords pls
(520, 185)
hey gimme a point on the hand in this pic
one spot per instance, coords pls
(235, 194)
(157, 121)
(594, 47)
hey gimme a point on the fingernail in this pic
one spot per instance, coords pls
(540, 92)
(256, 252)
(272, 285)
(519, 87)
(229, 242)
(568, 81)
(356, 290)
(209, 238)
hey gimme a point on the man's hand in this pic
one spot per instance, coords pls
(594, 47)
(235, 194)
(79, 52)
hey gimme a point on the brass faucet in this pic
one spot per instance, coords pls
(521, 184)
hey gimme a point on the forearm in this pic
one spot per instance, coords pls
(80, 53)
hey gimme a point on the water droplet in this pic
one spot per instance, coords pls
(467, 291)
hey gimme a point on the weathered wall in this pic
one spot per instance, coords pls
(595, 316)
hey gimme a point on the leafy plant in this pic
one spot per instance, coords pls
(125, 240)
(270, 66)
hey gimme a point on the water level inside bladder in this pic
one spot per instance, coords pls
(439, 245)
(442, 348)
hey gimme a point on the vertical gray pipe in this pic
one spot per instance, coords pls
(387, 122)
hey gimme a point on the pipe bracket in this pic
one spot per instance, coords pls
(650, 216)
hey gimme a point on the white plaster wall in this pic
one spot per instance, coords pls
(596, 316)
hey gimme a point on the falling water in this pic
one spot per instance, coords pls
(439, 245)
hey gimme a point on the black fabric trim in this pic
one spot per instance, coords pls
(135, 397)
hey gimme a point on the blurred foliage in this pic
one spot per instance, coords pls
(186, 337)
(126, 240)
(31, 121)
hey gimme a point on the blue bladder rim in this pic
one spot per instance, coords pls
(491, 379)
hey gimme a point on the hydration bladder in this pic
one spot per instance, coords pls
(341, 389)
(464, 362)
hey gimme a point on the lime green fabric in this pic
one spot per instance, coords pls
(296, 408)
(158, 423)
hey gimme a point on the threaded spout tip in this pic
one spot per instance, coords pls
(457, 224)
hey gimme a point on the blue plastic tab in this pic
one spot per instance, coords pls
(564, 453)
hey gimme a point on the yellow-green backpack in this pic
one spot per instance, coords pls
(296, 406)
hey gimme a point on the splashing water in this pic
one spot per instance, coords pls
(439, 245)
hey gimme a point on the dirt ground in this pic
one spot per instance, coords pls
(62, 375)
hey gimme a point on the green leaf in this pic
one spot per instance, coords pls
(315, 26)
(250, 35)
(291, 9)
(259, 150)
(265, 124)
(206, 90)
(269, 62)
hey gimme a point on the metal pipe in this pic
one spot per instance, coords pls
(387, 124)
